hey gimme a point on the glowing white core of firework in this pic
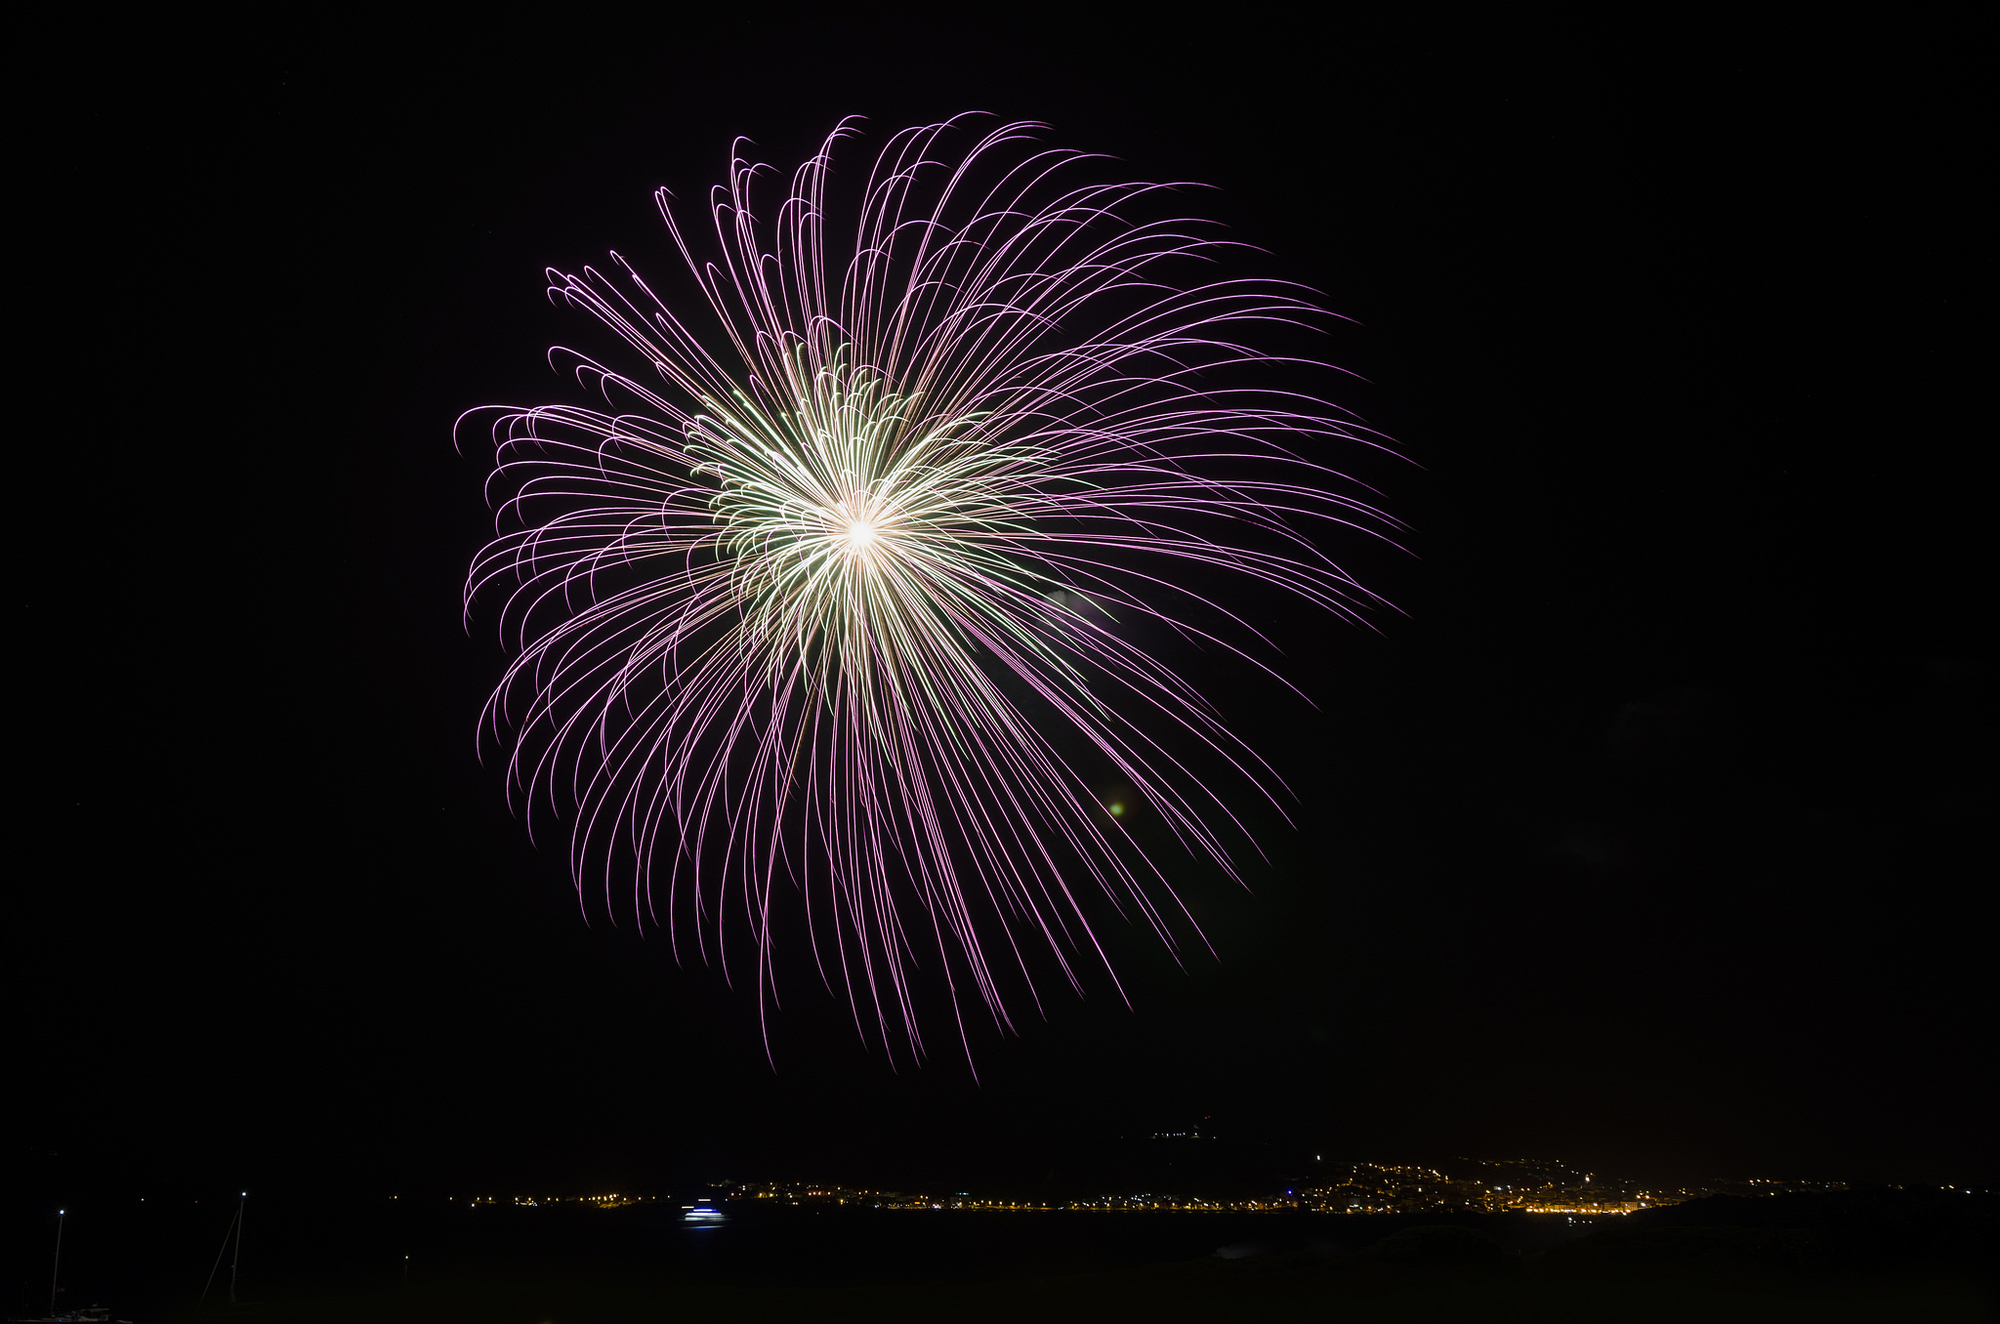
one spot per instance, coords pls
(859, 535)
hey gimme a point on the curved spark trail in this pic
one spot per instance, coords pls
(849, 620)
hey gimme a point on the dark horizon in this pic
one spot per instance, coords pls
(1642, 834)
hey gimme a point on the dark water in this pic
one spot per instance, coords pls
(1911, 1254)
(149, 1260)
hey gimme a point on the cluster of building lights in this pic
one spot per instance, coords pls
(615, 1200)
(1523, 1186)
(1504, 1186)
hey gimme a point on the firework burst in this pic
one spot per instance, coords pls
(848, 623)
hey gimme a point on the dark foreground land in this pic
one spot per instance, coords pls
(1857, 1255)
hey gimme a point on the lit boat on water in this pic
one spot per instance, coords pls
(702, 1214)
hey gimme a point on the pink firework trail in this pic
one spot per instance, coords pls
(835, 634)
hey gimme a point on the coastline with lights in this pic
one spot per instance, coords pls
(1506, 1186)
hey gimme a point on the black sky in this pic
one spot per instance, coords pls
(1647, 837)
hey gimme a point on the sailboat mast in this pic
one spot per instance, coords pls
(235, 1229)
(55, 1275)
(238, 1256)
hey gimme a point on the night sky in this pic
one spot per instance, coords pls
(1646, 836)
